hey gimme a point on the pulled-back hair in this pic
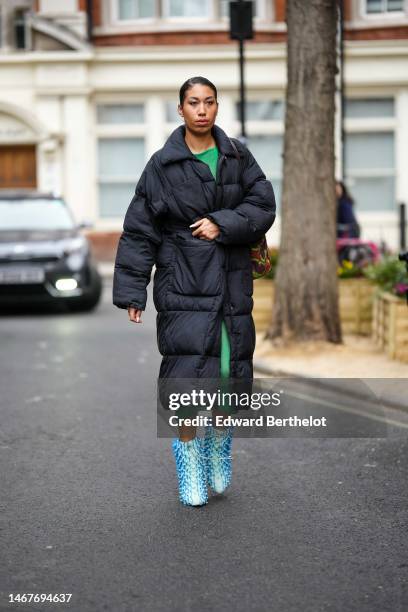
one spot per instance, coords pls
(194, 81)
(345, 192)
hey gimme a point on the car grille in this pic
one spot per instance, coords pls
(29, 259)
(11, 291)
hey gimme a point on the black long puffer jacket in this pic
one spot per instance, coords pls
(197, 282)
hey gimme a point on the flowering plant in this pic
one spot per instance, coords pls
(349, 270)
(390, 275)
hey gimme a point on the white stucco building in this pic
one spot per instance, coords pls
(81, 118)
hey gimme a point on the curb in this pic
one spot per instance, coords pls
(263, 367)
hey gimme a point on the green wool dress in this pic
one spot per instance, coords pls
(210, 157)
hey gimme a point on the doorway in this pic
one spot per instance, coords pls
(18, 167)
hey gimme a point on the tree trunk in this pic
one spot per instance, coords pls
(306, 295)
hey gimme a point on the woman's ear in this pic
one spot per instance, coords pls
(180, 111)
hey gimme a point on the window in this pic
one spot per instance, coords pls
(364, 108)
(33, 214)
(172, 115)
(370, 170)
(186, 8)
(136, 9)
(384, 6)
(121, 154)
(369, 153)
(267, 151)
(120, 113)
(265, 110)
(131, 10)
(265, 137)
(20, 29)
(121, 161)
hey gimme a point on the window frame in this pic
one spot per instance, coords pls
(383, 14)
(129, 131)
(119, 104)
(262, 127)
(26, 24)
(373, 125)
(165, 16)
(115, 19)
(161, 15)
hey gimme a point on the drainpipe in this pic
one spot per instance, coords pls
(89, 20)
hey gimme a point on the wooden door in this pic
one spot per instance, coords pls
(18, 167)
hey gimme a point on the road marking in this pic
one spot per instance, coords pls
(347, 409)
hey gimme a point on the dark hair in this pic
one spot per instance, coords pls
(194, 81)
(345, 192)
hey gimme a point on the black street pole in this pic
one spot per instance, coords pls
(243, 137)
(402, 226)
(89, 16)
(342, 93)
(241, 29)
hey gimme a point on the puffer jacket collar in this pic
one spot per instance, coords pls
(175, 148)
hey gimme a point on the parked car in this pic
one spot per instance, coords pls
(43, 255)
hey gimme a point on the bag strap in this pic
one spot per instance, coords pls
(237, 155)
(233, 145)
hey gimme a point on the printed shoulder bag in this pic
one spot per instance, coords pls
(261, 262)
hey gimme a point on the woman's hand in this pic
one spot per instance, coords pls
(134, 314)
(205, 229)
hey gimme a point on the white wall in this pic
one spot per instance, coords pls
(58, 6)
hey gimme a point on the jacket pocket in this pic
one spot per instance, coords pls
(196, 267)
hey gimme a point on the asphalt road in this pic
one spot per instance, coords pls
(89, 501)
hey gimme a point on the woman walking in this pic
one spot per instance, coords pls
(200, 203)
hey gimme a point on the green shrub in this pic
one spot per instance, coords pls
(390, 275)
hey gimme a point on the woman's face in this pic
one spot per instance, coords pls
(199, 109)
(339, 190)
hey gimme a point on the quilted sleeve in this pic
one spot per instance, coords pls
(137, 248)
(251, 219)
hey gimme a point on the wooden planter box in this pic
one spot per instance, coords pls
(264, 291)
(355, 303)
(390, 325)
(356, 297)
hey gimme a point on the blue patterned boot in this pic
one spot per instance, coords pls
(217, 448)
(190, 465)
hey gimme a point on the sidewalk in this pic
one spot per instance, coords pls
(357, 358)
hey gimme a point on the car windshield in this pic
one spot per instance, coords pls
(34, 214)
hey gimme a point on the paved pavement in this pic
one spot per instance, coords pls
(89, 502)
